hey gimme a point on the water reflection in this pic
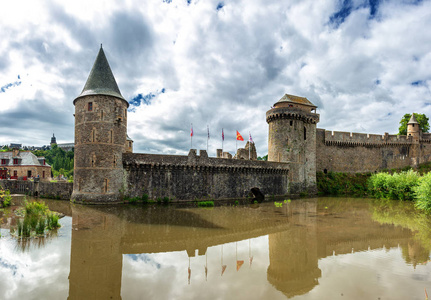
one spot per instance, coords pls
(321, 248)
(299, 234)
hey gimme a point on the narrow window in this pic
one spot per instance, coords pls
(29, 173)
(44, 162)
(15, 173)
(15, 161)
(111, 137)
(115, 161)
(291, 123)
(43, 174)
(3, 161)
(325, 171)
(105, 185)
(305, 133)
(125, 112)
(93, 135)
(101, 115)
(413, 125)
(90, 106)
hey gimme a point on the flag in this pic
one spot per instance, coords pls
(190, 274)
(239, 136)
(223, 268)
(239, 263)
(191, 130)
(251, 260)
(250, 139)
(208, 129)
(222, 134)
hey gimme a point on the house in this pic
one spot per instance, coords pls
(17, 164)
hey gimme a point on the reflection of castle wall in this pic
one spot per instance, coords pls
(96, 261)
(293, 253)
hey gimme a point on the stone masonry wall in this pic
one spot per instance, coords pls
(358, 152)
(199, 177)
(42, 189)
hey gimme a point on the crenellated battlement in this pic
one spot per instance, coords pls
(354, 139)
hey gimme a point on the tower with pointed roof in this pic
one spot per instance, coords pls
(413, 129)
(292, 139)
(100, 137)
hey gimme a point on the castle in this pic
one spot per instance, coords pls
(106, 169)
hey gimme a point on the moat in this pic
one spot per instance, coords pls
(321, 248)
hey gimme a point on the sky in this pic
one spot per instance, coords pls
(214, 64)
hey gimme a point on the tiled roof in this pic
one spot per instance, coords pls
(25, 159)
(101, 81)
(295, 99)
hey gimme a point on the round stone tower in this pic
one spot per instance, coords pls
(292, 139)
(100, 137)
(413, 129)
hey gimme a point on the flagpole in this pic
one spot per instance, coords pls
(208, 137)
(222, 140)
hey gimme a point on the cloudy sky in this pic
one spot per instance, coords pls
(216, 63)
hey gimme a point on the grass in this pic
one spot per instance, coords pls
(37, 218)
(335, 184)
(206, 204)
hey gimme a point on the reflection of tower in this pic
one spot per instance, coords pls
(414, 253)
(292, 138)
(100, 136)
(96, 261)
(293, 268)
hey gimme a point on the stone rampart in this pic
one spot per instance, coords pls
(43, 189)
(341, 138)
(201, 177)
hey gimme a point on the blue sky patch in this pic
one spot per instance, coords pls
(144, 99)
(9, 85)
(377, 82)
(418, 83)
(167, 1)
(340, 16)
(220, 5)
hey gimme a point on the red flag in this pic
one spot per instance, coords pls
(239, 136)
(222, 134)
(191, 130)
(239, 263)
(223, 268)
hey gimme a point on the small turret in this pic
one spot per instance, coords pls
(413, 129)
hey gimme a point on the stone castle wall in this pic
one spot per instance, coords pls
(44, 189)
(199, 177)
(358, 152)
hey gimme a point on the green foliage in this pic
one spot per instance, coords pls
(423, 193)
(166, 200)
(145, 198)
(52, 221)
(206, 204)
(398, 186)
(421, 118)
(342, 183)
(263, 157)
(61, 161)
(278, 204)
(5, 198)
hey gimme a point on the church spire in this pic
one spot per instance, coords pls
(101, 80)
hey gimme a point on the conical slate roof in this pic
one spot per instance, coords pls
(413, 120)
(101, 81)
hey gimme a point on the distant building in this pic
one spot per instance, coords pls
(23, 164)
(18, 146)
(66, 146)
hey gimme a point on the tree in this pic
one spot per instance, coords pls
(421, 118)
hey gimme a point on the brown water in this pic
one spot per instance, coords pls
(325, 248)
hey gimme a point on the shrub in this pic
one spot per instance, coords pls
(399, 186)
(5, 198)
(423, 193)
(145, 198)
(166, 200)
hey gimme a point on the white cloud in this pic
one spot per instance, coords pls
(223, 68)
